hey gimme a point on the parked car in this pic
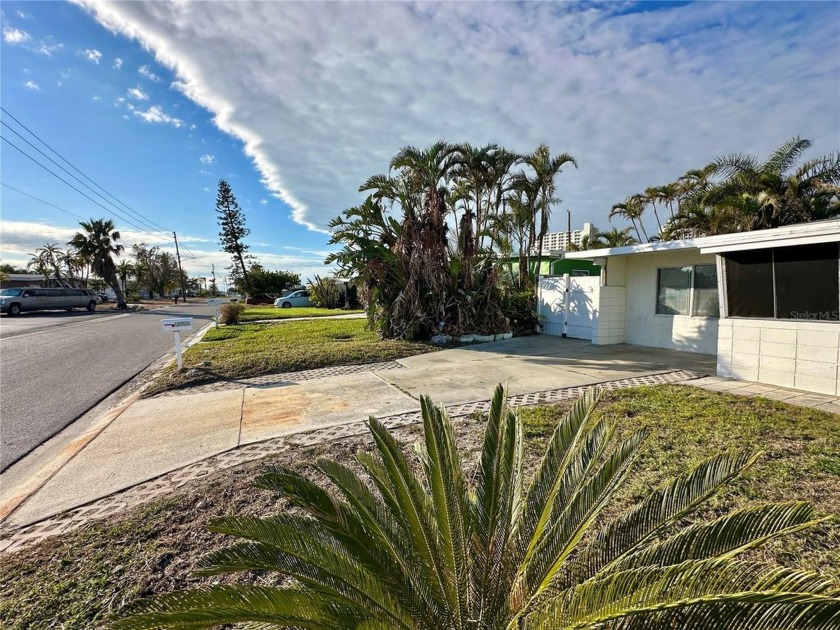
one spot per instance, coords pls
(298, 298)
(15, 301)
(259, 299)
(103, 297)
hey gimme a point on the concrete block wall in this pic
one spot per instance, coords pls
(789, 353)
(608, 327)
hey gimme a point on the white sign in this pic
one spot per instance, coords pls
(214, 301)
(180, 324)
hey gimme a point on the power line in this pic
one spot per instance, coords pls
(114, 212)
(42, 201)
(139, 216)
(62, 168)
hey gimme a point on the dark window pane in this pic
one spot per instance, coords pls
(807, 282)
(706, 291)
(749, 283)
(673, 291)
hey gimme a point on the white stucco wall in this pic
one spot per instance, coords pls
(642, 326)
(790, 353)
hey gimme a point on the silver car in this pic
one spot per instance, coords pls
(298, 298)
(15, 301)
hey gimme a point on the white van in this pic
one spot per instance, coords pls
(15, 301)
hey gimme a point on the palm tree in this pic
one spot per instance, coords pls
(797, 194)
(99, 243)
(632, 209)
(545, 172)
(124, 270)
(615, 238)
(416, 548)
(48, 260)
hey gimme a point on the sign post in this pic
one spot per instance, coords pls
(177, 325)
(217, 302)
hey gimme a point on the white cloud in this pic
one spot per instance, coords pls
(155, 114)
(263, 202)
(205, 172)
(144, 71)
(14, 35)
(137, 94)
(118, 63)
(19, 238)
(207, 158)
(91, 54)
(31, 85)
(207, 190)
(192, 127)
(322, 96)
(48, 50)
(95, 98)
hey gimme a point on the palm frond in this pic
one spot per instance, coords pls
(213, 606)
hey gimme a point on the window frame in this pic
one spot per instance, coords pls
(724, 288)
(691, 290)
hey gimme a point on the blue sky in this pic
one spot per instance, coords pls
(296, 104)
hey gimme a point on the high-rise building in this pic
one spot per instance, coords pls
(560, 240)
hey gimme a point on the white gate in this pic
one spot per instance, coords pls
(566, 305)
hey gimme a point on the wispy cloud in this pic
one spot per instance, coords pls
(46, 49)
(155, 114)
(636, 97)
(144, 71)
(118, 63)
(14, 35)
(91, 54)
(263, 202)
(31, 85)
(137, 94)
(207, 158)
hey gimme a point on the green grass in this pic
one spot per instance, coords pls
(799, 447)
(254, 313)
(256, 349)
(76, 582)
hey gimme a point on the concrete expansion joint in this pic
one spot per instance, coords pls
(15, 538)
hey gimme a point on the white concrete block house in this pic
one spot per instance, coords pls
(767, 302)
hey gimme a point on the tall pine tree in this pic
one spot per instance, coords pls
(232, 222)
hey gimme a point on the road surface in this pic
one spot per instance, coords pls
(54, 367)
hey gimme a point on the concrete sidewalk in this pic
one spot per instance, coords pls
(142, 440)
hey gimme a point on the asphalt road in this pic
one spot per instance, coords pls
(54, 367)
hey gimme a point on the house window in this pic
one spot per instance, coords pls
(800, 282)
(689, 290)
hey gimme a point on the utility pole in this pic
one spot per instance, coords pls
(180, 271)
(568, 229)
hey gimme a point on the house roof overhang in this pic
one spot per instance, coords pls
(827, 231)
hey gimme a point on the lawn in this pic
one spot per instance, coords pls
(74, 580)
(254, 313)
(256, 349)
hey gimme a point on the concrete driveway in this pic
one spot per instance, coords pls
(532, 364)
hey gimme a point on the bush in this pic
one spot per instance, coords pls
(230, 313)
(518, 308)
(323, 292)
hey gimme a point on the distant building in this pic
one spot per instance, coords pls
(559, 241)
(16, 280)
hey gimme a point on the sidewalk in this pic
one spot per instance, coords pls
(146, 447)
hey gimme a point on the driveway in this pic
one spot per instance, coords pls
(532, 364)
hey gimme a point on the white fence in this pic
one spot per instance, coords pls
(566, 305)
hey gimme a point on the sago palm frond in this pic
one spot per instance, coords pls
(413, 545)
